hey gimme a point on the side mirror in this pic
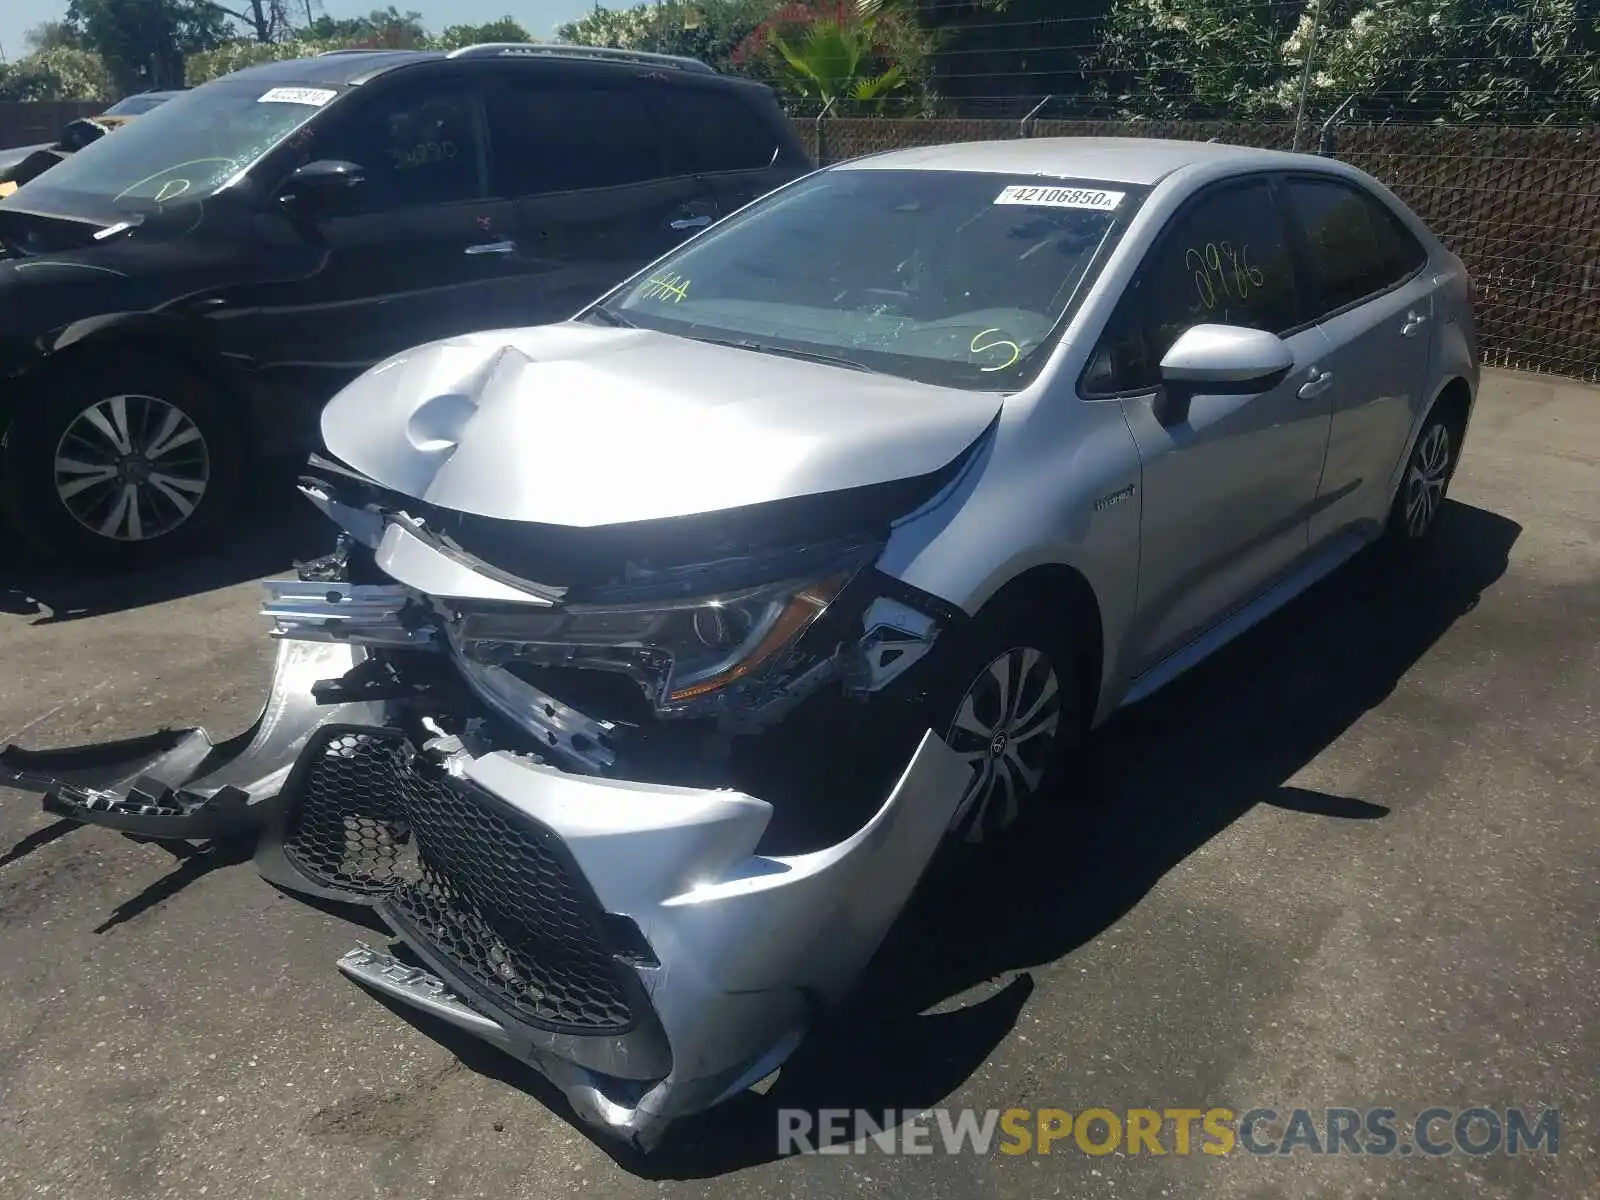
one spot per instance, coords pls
(1226, 359)
(325, 186)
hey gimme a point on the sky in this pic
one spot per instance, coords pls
(539, 17)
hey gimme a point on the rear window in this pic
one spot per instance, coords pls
(715, 131)
(1357, 246)
(547, 137)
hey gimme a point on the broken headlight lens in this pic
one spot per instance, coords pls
(682, 650)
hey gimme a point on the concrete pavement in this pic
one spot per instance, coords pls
(1355, 861)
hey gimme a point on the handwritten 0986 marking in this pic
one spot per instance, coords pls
(1221, 273)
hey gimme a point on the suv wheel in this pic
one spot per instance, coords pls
(119, 468)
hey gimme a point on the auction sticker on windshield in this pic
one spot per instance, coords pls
(1060, 197)
(315, 97)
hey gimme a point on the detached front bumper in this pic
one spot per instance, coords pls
(179, 784)
(626, 939)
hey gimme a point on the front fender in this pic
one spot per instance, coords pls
(1037, 495)
(184, 340)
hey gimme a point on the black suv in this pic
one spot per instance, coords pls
(182, 298)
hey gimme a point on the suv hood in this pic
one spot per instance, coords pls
(580, 426)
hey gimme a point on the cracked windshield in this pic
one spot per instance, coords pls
(184, 149)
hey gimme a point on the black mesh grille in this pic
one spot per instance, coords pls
(348, 829)
(489, 889)
(496, 900)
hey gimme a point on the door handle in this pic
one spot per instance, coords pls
(1319, 382)
(699, 222)
(1414, 323)
(492, 248)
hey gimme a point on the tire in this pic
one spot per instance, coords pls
(1432, 464)
(80, 481)
(1004, 692)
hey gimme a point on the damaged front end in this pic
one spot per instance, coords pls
(611, 817)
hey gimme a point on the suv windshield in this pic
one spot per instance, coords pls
(184, 148)
(946, 277)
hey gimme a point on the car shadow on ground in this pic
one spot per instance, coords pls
(272, 531)
(1159, 782)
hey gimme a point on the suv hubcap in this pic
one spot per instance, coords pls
(1005, 727)
(131, 468)
(1425, 480)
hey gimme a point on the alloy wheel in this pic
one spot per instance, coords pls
(131, 468)
(1006, 727)
(1426, 478)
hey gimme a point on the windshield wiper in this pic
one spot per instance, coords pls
(611, 318)
(831, 360)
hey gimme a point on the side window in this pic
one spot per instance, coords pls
(559, 139)
(416, 146)
(1356, 245)
(712, 131)
(1223, 261)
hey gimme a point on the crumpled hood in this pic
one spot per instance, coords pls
(582, 425)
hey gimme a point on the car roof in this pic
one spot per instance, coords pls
(342, 68)
(1135, 161)
(335, 70)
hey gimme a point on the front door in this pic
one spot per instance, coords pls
(597, 197)
(1228, 483)
(422, 253)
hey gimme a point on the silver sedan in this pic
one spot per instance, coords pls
(665, 647)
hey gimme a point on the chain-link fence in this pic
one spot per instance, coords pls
(1481, 114)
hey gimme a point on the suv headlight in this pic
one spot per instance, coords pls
(682, 651)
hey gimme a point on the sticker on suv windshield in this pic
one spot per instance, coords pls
(316, 97)
(1061, 197)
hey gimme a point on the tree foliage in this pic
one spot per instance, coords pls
(709, 30)
(56, 73)
(829, 62)
(237, 55)
(388, 28)
(1516, 61)
(143, 42)
(851, 54)
(506, 29)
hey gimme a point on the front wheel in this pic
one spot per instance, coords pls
(1005, 696)
(120, 466)
(1008, 727)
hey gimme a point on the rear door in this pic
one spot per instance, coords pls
(1373, 299)
(738, 141)
(596, 193)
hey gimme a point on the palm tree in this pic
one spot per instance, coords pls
(833, 60)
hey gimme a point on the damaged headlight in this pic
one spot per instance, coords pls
(682, 651)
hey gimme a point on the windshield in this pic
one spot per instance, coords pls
(184, 148)
(947, 277)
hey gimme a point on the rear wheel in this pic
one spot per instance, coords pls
(121, 467)
(1417, 504)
